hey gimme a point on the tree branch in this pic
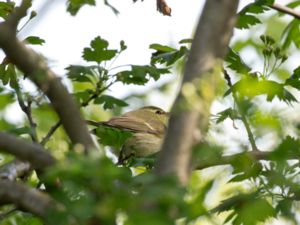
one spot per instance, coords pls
(198, 88)
(83, 104)
(27, 110)
(26, 198)
(20, 12)
(14, 169)
(34, 153)
(34, 65)
(231, 159)
(286, 10)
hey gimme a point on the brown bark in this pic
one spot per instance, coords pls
(26, 198)
(192, 105)
(34, 153)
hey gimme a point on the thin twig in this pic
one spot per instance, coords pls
(50, 133)
(242, 114)
(27, 110)
(286, 10)
(83, 104)
(231, 159)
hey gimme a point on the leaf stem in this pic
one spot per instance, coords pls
(242, 114)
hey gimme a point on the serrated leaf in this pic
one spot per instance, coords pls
(73, 6)
(227, 113)
(252, 171)
(252, 87)
(289, 147)
(246, 21)
(34, 40)
(109, 102)
(294, 79)
(98, 51)
(80, 73)
(236, 63)
(254, 211)
(140, 75)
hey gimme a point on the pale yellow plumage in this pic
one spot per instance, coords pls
(148, 125)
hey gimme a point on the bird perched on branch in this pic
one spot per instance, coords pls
(148, 125)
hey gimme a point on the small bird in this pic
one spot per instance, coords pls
(148, 125)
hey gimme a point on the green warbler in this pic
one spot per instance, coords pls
(148, 125)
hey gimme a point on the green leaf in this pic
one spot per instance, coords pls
(294, 80)
(236, 63)
(73, 6)
(98, 51)
(6, 99)
(169, 58)
(111, 136)
(245, 20)
(109, 102)
(21, 130)
(227, 113)
(10, 76)
(291, 34)
(253, 171)
(34, 40)
(186, 41)
(80, 73)
(289, 147)
(6, 8)
(141, 74)
(254, 211)
(251, 87)
(82, 96)
(162, 48)
(293, 4)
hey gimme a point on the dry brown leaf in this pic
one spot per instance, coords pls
(163, 7)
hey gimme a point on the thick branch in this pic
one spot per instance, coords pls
(31, 152)
(34, 65)
(212, 36)
(26, 198)
(18, 14)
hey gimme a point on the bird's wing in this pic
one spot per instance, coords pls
(131, 124)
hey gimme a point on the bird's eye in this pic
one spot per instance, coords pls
(158, 112)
